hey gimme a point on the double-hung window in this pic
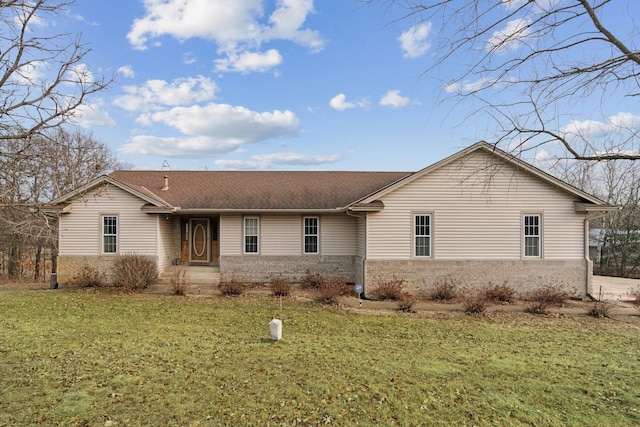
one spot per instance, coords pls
(109, 234)
(311, 235)
(251, 233)
(532, 235)
(422, 235)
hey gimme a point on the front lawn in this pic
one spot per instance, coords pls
(100, 359)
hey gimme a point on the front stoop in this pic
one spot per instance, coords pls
(199, 280)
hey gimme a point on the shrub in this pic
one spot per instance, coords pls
(445, 289)
(88, 277)
(635, 294)
(599, 309)
(280, 287)
(331, 289)
(499, 293)
(390, 290)
(544, 297)
(178, 281)
(312, 281)
(132, 272)
(231, 288)
(475, 305)
(406, 302)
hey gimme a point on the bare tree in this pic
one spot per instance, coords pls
(618, 233)
(38, 175)
(532, 65)
(43, 77)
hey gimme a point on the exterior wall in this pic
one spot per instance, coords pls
(281, 249)
(477, 205)
(523, 276)
(263, 268)
(80, 231)
(168, 241)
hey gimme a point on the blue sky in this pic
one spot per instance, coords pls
(280, 85)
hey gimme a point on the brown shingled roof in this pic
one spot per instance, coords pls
(244, 190)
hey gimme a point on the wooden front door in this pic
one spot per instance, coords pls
(199, 248)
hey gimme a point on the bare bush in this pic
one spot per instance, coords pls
(88, 277)
(133, 272)
(231, 288)
(312, 281)
(600, 309)
(502, 294)
(280, 287)
(331, 290)
(445, 289)
(475, 305)
(178, 281)
(541, 299)
(389, 290)
(635, 294)
(406, 301)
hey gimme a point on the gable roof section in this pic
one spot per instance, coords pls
(257, 190)
(149, 197)
(585, 203)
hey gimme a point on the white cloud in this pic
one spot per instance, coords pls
(587, 129)
(414, 42)
(467, 87)
(394, 99)
(287, 21)
(295, 159)
(212, 129)
(267, 161)
(511, 37)
(249, 61)
(156, 94)
(340, 103)
(127, 71)
(189, 58)
(91, 115)
(237, 27)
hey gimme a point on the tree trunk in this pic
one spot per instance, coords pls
(36, 267)
(14, 264)
(54, 260)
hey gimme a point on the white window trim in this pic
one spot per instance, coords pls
(414, 235)
(540, 235)
(103, 235)
(244, 235)
(304, 235)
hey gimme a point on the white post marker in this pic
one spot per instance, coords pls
(275, 329)
(358, 289)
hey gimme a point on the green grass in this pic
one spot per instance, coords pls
(77, 358)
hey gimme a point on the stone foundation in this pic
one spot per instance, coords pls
(521, 275)
(262, 269)
(70, 266)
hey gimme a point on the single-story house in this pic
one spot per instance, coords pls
(477, 217)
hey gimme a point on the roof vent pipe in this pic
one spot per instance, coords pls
(166, 183)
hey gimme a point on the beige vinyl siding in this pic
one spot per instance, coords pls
(337, 235)
(166, 241)
(281, 235)
(476, 207)
(80, 230)
(361, 236)
(230, 234)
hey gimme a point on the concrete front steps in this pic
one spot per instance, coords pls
(199, 280)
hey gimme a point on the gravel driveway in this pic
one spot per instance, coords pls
(614, 288)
